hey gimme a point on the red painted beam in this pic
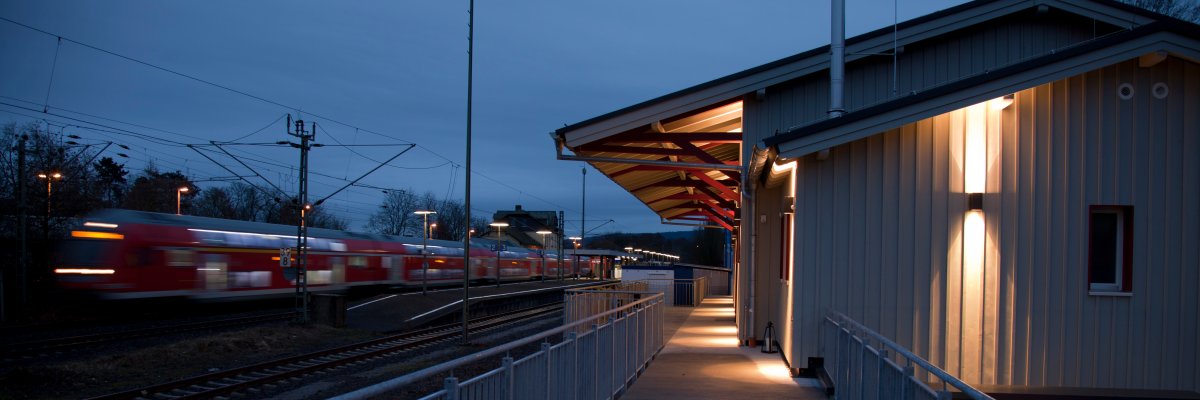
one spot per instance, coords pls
(725, 191)
(642, 168)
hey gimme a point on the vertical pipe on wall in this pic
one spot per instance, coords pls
(837, 59)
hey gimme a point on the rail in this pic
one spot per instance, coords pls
(863, 364)
(681, 292)
(597, 364)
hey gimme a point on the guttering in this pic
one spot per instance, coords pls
(665, 221)
(558, 142)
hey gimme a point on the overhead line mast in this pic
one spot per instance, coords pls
(304, 208)
(467, 199)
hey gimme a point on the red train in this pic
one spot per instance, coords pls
(123, 254)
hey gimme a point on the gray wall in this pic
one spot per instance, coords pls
(878, 224)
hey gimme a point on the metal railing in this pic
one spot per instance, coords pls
(599, 363)
(865, 365)
(681, 292)
(583, 303)
(718, 281)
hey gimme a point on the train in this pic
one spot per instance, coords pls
(127, 254)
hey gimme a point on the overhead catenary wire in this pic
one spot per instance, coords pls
(275, 103)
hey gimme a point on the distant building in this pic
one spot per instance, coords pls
(523, 226)
(1011, 194)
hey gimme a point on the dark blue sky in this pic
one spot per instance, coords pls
(398, 68)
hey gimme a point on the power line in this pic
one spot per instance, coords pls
(272, 102)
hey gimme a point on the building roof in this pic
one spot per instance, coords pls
(1170, 35)
(681, 154)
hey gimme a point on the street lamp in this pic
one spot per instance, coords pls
(431, 227)
(575, 252)
(49, 177)
(543, 232)
(499, 237)
(424, 248)
(179, 199)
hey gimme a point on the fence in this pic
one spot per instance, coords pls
(579, 304)
(599, 363)
(865, 365)
(718, 280)
(681, 292)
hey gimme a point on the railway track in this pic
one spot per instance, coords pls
(250, 378)
(25, 350)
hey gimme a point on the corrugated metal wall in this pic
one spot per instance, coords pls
(878, 225)
(923, 65)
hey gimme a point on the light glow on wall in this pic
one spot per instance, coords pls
(975, 149)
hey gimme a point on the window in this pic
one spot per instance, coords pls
(1110, 249)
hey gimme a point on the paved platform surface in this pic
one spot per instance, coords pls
(393, 312)
(702, 360)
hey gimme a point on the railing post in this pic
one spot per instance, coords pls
(883, 355)
(509, 379)
(904, 382)
(549, 367)
(573, 338)
(595, 361)
(451, 387)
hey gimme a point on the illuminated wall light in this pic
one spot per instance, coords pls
(975, 150)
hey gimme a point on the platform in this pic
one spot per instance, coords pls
(702, 360)
(399, 311)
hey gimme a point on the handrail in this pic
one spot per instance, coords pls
(943, 375)
(379, 389)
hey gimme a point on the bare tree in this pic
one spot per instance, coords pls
(1187, 10)
(395, 216)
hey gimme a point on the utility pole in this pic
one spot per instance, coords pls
(22, 232)
(467, 240)
(304, 207)
(558, 236)
(583, 208)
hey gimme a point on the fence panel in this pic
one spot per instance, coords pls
(595, 362)
(865, 365)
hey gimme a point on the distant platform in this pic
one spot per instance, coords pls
(399, 311)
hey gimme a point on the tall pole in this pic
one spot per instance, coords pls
(467, 239)
(302, 226)
(499, 248)
(558, 239)
(23, 228)
(425, 253)
(583, 209)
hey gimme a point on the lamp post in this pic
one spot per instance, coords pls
(179, 199)
(424, 248)
(49, 177)
(575, 251)
(499, 245)
(543, 232)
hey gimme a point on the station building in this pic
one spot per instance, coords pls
(1012, 192)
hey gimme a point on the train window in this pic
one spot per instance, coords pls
(358, 261)
(180, 258)
(83, 252)
(337, 245)
(385, 262)
(210, 238)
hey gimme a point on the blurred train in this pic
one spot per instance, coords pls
(124, 254)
